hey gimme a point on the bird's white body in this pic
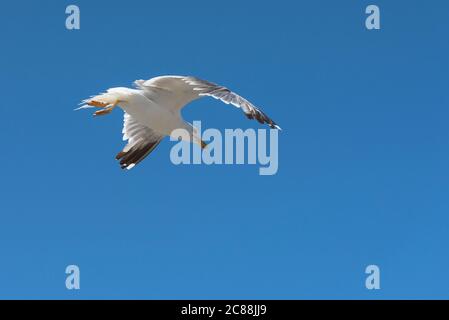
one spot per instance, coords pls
(152, 114)
(152, 111)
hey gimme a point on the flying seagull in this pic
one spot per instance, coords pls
(152, 111)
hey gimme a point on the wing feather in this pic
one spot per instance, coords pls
(141, 142)
(175, 92)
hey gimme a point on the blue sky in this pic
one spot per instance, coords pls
(363, 162)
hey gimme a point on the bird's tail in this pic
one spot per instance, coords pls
(84, 106)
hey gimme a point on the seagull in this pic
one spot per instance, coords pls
(152, 111)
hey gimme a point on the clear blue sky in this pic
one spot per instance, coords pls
(363, 174)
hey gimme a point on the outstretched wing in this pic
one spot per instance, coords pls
(177, 91)
(141, 142)
(205, 88)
